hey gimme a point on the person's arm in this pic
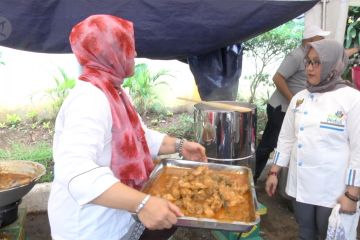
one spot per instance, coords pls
(291, 65)
(282, 154)
(272, 180)
(352, 181)
(162, 144)
(349, 199)
(353, 191)
(157, 213)
(190, 150)
(351, 51)
(281, 85)
(167, 145)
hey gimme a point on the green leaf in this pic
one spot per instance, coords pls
(353, 33)
(142, 87)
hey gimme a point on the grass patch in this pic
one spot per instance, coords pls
(41, 153)
(183, 127)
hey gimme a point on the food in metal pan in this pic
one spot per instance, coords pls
(206, 193)
(11, 180)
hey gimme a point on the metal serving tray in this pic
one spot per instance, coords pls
(208, 223)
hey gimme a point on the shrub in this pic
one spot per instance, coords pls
(142, 87)
(60, 91)
(32, 116)
(12, 120)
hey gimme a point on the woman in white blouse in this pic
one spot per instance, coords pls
(102, 152)
(320, 142)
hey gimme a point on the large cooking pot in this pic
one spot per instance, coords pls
(32, 169)
(229, 137)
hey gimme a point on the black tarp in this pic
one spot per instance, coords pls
(217, 73)
(164, 29)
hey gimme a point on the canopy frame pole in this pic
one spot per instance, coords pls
(323, 14)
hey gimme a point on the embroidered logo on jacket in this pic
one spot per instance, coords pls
(334, 122)
(299, 102)
(297, 105)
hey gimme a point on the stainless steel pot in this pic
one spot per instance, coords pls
(32, 169)
(228, 136)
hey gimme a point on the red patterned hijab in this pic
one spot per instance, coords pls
(104, 46)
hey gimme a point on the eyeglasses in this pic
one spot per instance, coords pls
(314, 63)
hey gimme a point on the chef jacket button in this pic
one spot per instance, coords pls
(305, 112)
(301, 128)
(300, 164)
(299, 145)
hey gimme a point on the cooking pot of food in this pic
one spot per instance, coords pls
(228, 136)
(17, 178)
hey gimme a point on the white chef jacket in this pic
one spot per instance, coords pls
(320, 142)
(82, 156)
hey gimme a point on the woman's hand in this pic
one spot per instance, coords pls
(347, 206)
(271, 184)
(159, 213)
(272, 180)
(190, 150)
(194, 151)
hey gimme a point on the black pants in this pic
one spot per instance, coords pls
(312, 220)
(269, 139)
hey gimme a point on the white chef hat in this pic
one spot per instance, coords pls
(313, 30)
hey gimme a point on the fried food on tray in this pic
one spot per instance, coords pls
(203, 192)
